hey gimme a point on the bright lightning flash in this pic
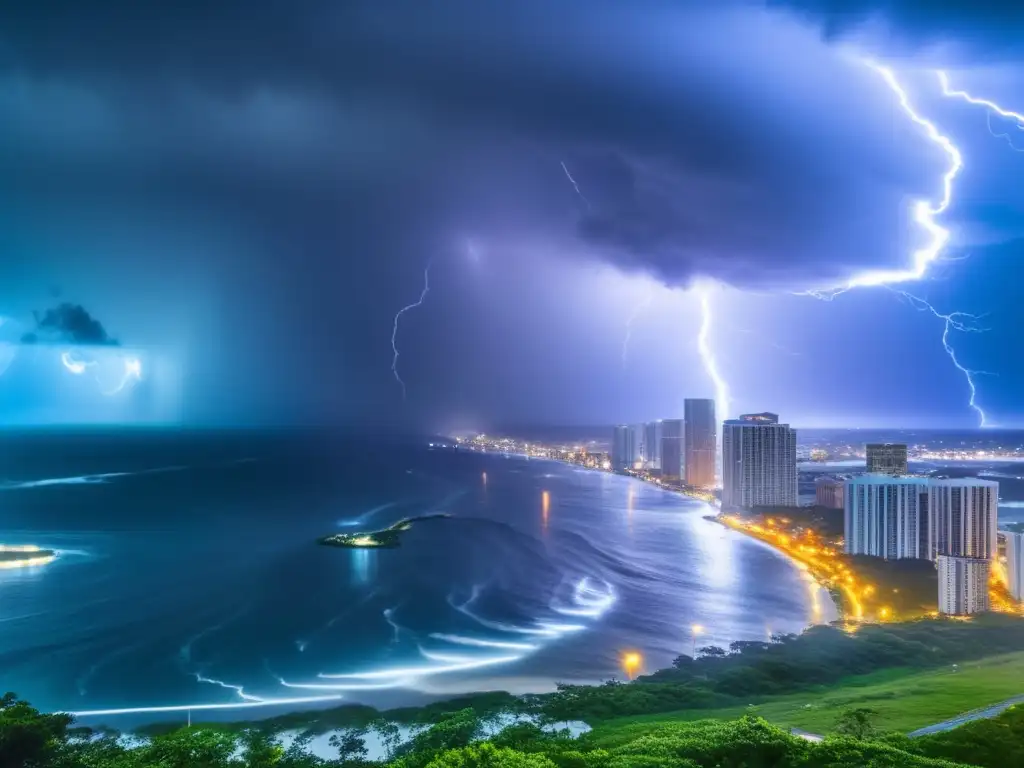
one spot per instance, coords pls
(950, 92)
(575, 186)
(398, 315)
(130, 376)
(629, 325)
(74, 365)
(965, 323)
(925, 215)
(706, 355)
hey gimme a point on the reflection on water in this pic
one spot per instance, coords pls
(364, 565)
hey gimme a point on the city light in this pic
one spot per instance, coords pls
(631, 662)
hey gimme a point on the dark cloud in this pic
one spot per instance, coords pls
(292, 119)
(71, 324)
(985, 28)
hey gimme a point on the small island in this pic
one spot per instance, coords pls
(24, 556)
(387, 538)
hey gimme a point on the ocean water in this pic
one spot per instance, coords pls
(189, 576)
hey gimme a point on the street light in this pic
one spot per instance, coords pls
(631, 662)
(695, 629)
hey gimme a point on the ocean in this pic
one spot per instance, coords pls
(189, 576)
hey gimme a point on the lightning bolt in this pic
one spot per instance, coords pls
(991, 106)
(708, 357)
(925, 215)
(629, 325)
(132, 374)
(576, 186)
(964, 323)
(394, 330)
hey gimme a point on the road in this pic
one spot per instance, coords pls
(966, 717)
(945, 725)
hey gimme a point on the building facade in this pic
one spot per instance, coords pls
(699, 442)
(672, 449)
(623, 447)
(652, 446)
(829, 492)
(963, 585)
(758, 463)
(1015, 562)
(963, 517)
(887, 458)
(887, 516)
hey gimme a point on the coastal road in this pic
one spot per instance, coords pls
(945, 725)
(966, 717)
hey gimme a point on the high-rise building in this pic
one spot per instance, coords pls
(887, 517)
(672, 449)
(639, 447)
(699, 442)
(1015, 562)
(963, 517)
(652, 443)
(623, 447)
(963, 585)
(887, 458)
(758, 462)
(828, 492)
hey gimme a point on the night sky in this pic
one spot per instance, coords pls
(243, 196)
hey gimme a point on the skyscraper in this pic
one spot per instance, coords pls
(887, 458)
(758, 462)
(639, 447)
(672, 449)
(963, 585)
(623, 447)
(1015, 562)
(699, 442)
(652, 443)
(963, 513)
(887, 517)
(828, 492)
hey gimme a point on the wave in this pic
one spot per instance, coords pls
(94, 479)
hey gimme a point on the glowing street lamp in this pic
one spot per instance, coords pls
(695, 630)
(631, 662)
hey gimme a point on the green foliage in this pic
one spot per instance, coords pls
(488, 756)
(27, 738)
(857, 723)
(994, 743)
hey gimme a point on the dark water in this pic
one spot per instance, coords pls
(191, 577)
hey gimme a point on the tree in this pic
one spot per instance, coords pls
(189, 748)
(351, 745)
(27, 737)
(486, 755)
(711, 652)
(260, 749)
(389, 734)
(856, 723)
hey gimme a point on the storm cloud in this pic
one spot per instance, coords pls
(71, 324)
(730, 142)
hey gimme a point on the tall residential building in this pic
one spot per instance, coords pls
(1015, 562)
(639, 446)
(623, 447)
(672, 449)
(887, 458)
(887, 517)
(652, 443)
(963, 585)
(963, 513)
(828, 492)
(699, 442)
(758, 462)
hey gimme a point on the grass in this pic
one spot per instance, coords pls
(905, 699)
